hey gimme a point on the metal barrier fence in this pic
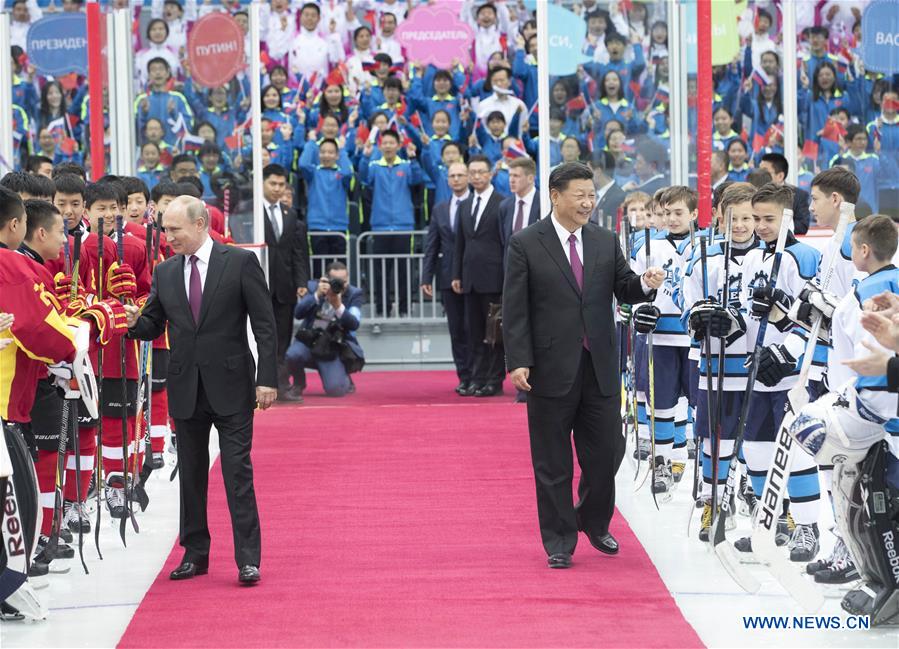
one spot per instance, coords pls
(389, 268)
(326, 247)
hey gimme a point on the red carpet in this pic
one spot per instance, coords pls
(404, 516)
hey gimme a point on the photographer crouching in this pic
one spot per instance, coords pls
(331, 313)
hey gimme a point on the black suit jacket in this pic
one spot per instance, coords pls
(545, 315)
(440, 248)
(216, 349)
(610, 203)
(478, 258)
(288, 257)
(801, 216)
(508, 210)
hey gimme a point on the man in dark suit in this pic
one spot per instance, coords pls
(777, 165)
(649, 166)
(288, 268)
(562, 349)
(609, 196)
(440, 249)
(331, 305)
(522, 208)
(204, 295)
(478, 275)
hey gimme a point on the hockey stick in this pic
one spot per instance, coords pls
(707, 344)
(652, 392)
(719, 388)
(76, 442)
(696, 437)
(100, 485)
(53, 542)
(630, 416)
(723, 550)
(120, 254)
(765, 523)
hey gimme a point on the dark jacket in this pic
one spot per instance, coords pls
(610, 203)
(440, 248)
(801, 216)
(478, 259)
(545, 315)
(353, 299)
(288, 257)
(508, 210)
(216, 349)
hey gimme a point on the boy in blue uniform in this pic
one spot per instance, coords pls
(327, 185)
(391, 180)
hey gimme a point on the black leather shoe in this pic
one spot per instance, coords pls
(605, 543)
(489, 391)
(290, 396)
(188, 569)
(469, 390)
(463, 385)
(248, 575)
(559, 560)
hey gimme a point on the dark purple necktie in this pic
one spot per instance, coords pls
(195, 296)
(577, 268)
(519, 219)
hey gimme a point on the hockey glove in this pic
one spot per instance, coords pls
(646, 317)
(121, 282)
(75, 307)
(62, 286)
(773, 303)
(708, 315)
(775, 363)
(107, 318)
(811, 304)
(625, 312)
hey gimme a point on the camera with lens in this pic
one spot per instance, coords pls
(337, 285)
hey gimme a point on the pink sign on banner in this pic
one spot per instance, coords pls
(215, 50)
(435, 34)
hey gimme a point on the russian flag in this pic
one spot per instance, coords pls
(760, 77)
(662, 96)
(191, 143)
(515, 150)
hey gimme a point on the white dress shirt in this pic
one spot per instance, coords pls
(455, 201)
(484, 198)
(203, 255)
(278, 216)
(564, 234)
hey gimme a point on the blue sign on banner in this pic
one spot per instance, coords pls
(880, 45)
(57, 44)
(566, 38)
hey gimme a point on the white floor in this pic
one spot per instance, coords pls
(94, 610)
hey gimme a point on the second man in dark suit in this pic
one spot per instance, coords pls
(522, 208)
(478, 275)
(288, 268)
(440, 250)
